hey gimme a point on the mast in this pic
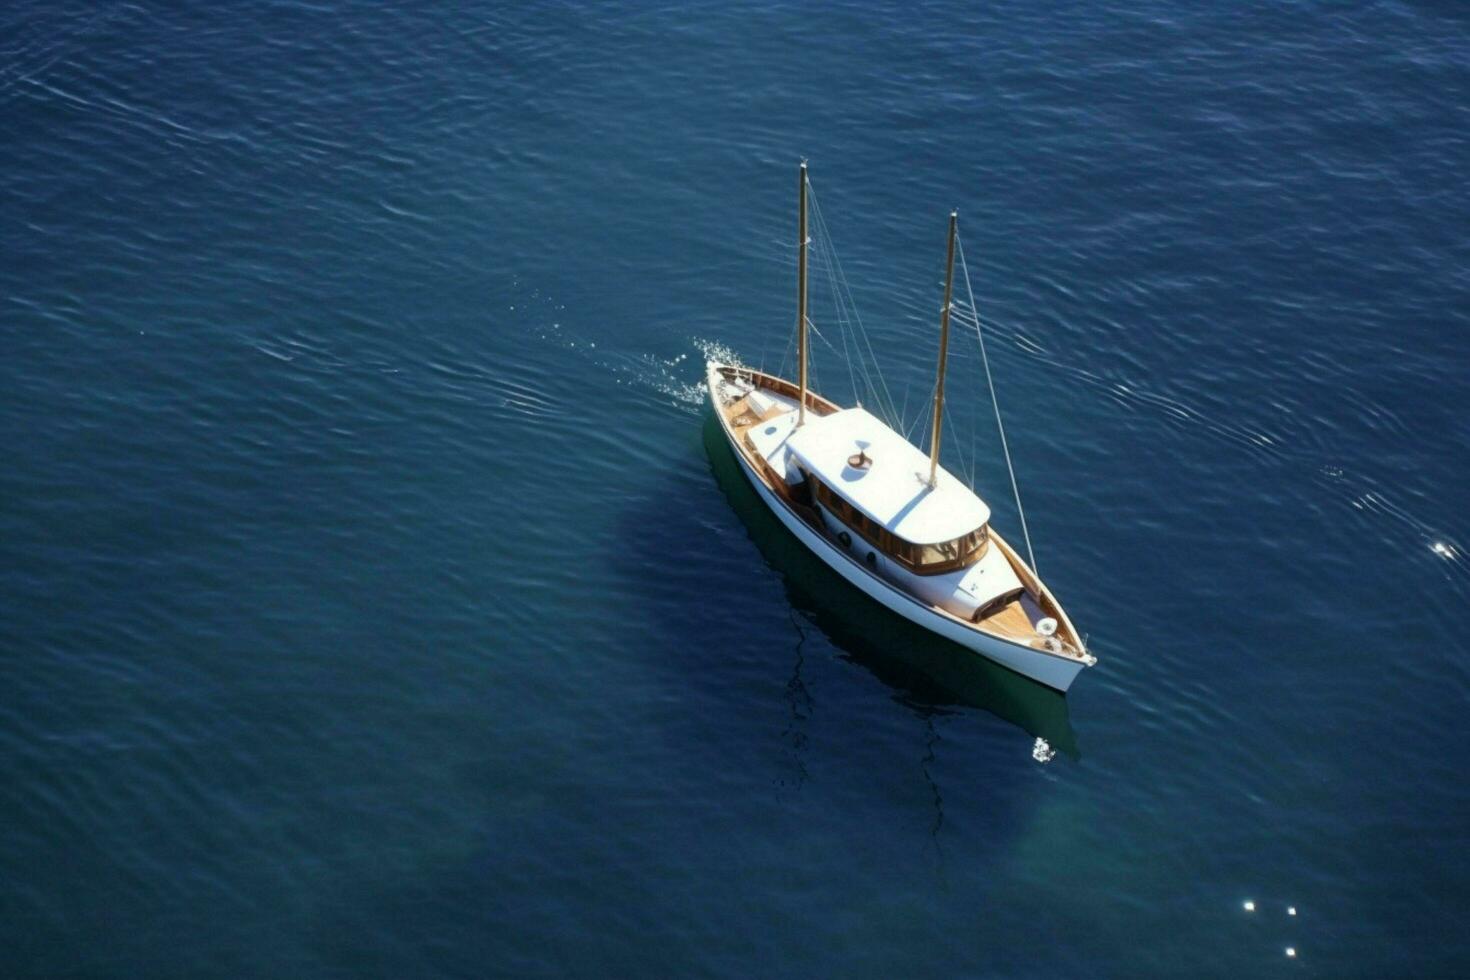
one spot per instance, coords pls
(943, 354)
(801, 302)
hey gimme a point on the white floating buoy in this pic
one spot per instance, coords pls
(1248, 905)
(1291, 910)
(1291, 951)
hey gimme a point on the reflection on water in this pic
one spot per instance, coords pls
(799, 699)
(930, 672)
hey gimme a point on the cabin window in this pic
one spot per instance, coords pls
(959, 551)
(923, 559)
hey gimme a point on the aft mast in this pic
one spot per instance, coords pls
(943, 353)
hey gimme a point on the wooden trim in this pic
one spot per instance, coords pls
(1044, 598)
(780, 386)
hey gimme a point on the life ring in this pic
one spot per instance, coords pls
(845, 538)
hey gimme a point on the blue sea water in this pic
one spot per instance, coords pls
(376, 600)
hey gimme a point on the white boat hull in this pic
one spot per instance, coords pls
(1054, 671)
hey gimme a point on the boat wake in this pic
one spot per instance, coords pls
(671, 381)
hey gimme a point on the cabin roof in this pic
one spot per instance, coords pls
(894, 489)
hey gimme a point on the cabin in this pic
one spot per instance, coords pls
(872, 489)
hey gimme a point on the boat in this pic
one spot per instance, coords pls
(928, 675)
(885, 515)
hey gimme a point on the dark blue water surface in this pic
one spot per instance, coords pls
(376, 599)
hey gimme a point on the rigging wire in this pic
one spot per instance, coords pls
(1000, 426)
(824, 255)
(790, 342)
(848, 314)
(920, 414)
(822, 246)
(958, 449)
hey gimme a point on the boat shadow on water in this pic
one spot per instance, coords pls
(931, 672)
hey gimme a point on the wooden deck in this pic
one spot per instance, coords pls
(1011, 621)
